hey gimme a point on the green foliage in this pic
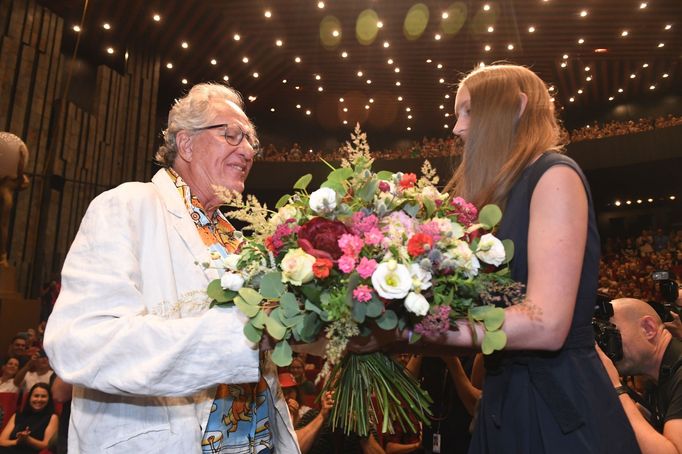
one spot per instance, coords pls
(303, 182)
(271, 286)
(388, 320)
(218, 294)
(282, 355)
(282, 201)
(250, 296)
(253, 334)
(490, 216)
(508, 250)
(289, 304)
(275, 328)
(249, 310)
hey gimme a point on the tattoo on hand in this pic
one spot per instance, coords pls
(530, 309)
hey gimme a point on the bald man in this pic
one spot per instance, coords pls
(649, 349)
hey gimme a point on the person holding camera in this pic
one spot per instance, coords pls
(650, 350)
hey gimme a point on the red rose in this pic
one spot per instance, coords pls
(416, 244)
(322, 267)
(408, 180)
(319, 237)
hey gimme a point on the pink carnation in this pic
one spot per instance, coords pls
(351, 244)
(361, 223)
(374, 237)
(362, 293)
(466, 212)
(347, 263)
(366, 267)
(432, 229)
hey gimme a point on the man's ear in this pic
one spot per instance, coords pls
(524, 102)
(184, 143)
(649, 326)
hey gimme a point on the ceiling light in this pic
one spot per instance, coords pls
(256, 75)
(486, 7)
(652, 87)
(668, 27)
(184, 81)
(184, 45)
(320, 89)
(672, 197)
(551, 88)
(491, 29)
(487, 48)
(531, 29)
(441, 80)
(359, 73)
(428, 60)
(318, 77)
(369, 81)
(632, 76)
(580, 91)
(400, 98)
(214, 61)
(110, 50)
(628, 202)
(481, 65)
(583, 13)
(610, 98)
(571, 99)
(345, 109)
(601, 50)
(307, 112)
(447, 96)
(408, 128)
(272, 109)
(245, 59)
(340, 99)
(267, 14)
(441, 107)
(236, 37)
(76, 28)
(366, 106)
(446, 126)
(156, 17)
(389, 61)
(565, 57)
(642, 5)
(445, 15)
(649, 200)
(169, 65)
(397, 83)
(587, 68)
(624, 33)
(552, 99)
(409, 117)
(437, 37)
(639, 200)
(588, 78)
(510, 46)
(563, 64)
(298, 106)
(386, 44)
(665, 75)
(617, 203)
(380, 24)
(408, 109)
(279, 43)
(335, 33)
(620, 90)
(396, 69)
(320, 5)
(297, 59)
(345, 122)
(371, 100)
(226, 78)
(645, 65)
(447, 114)
(661, 44)
(581, 40)
(297, 87)
(252, 98)
(284, 81)
(106, 26)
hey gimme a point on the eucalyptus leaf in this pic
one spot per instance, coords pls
(490, 215)
(250, 296)
(309, 306)
(367, 192)
(411, 209)
(312, 292)
(303, 182)
(289, 304)
(337, 186)
(494, 319)
(293, 321)
(429, 206)
(259, 320)
(508, 250)
(216, 292)
(492, 341)
(275, 328)
(374, 307)
(271, 286)
(388, 320)
(384, 175)
(340, 174)
(253, 334)
(282, 201)
(248, 309)
(311, 326)
(281, 354)
(359, 312)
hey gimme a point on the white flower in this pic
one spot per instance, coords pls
(284, 213)
(392, 280)
(230, 262)
(421, 279)
(416, 303)
(323, 200)
(490, 250)
(232, 281)
(464, 259)
(297, 267)
(449, 229)
(431, 193)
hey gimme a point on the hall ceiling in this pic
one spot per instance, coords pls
(592, 53)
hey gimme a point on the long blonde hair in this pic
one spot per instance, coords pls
(499, 143)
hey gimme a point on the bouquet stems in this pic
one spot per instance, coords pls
(372, 390)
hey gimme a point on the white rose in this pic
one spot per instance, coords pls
(490, 250)
(421, 279)
(417, 304)
(232, 281)
(230, 262)
(450, 229)
(284, 213)
(323, 200)
(392, 280)
(297, 267)
(465, 259)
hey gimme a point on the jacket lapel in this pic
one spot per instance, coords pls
(182, 222)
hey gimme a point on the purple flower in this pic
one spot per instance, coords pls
(437, 322)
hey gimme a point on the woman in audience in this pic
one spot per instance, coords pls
(9, 370)
(31, 429)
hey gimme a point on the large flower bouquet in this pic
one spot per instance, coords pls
(366, 250)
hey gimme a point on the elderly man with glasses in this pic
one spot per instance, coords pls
(133, 329)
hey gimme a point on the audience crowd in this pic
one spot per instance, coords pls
(452, 146)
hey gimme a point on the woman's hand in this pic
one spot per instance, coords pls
(327, 402)
(378, 339)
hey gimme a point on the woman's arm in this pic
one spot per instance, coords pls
(50, 430)
(6, 432)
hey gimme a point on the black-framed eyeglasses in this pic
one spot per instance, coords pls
(234, 135)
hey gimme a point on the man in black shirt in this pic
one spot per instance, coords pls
(649, 349)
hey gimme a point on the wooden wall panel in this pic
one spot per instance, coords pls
(95, 147)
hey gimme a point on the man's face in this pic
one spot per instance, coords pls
(18, 347)
(635, 345)
(216, 162)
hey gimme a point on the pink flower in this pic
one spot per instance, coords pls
(432, 229)
(361, 223)
(466, 212)
(366, 267)
(362, 293)
(347, 263)
(351, 244)
(384, 186)
(374, 237)
(435, 323)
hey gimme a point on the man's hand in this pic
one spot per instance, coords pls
(327, 402)
(609, 366)
(675, 327)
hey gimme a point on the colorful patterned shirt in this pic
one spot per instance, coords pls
(238, 423)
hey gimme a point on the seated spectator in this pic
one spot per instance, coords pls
(31, 429)
(9, 369)
(37, 370)
(17, 349)
(292, 397)
(306, 389)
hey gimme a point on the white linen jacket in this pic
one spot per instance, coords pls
(132, 329)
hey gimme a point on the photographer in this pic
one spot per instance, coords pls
(649, 349)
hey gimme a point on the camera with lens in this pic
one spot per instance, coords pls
(606, 333)
(668, 289)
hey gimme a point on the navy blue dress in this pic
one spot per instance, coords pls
(551, 402)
